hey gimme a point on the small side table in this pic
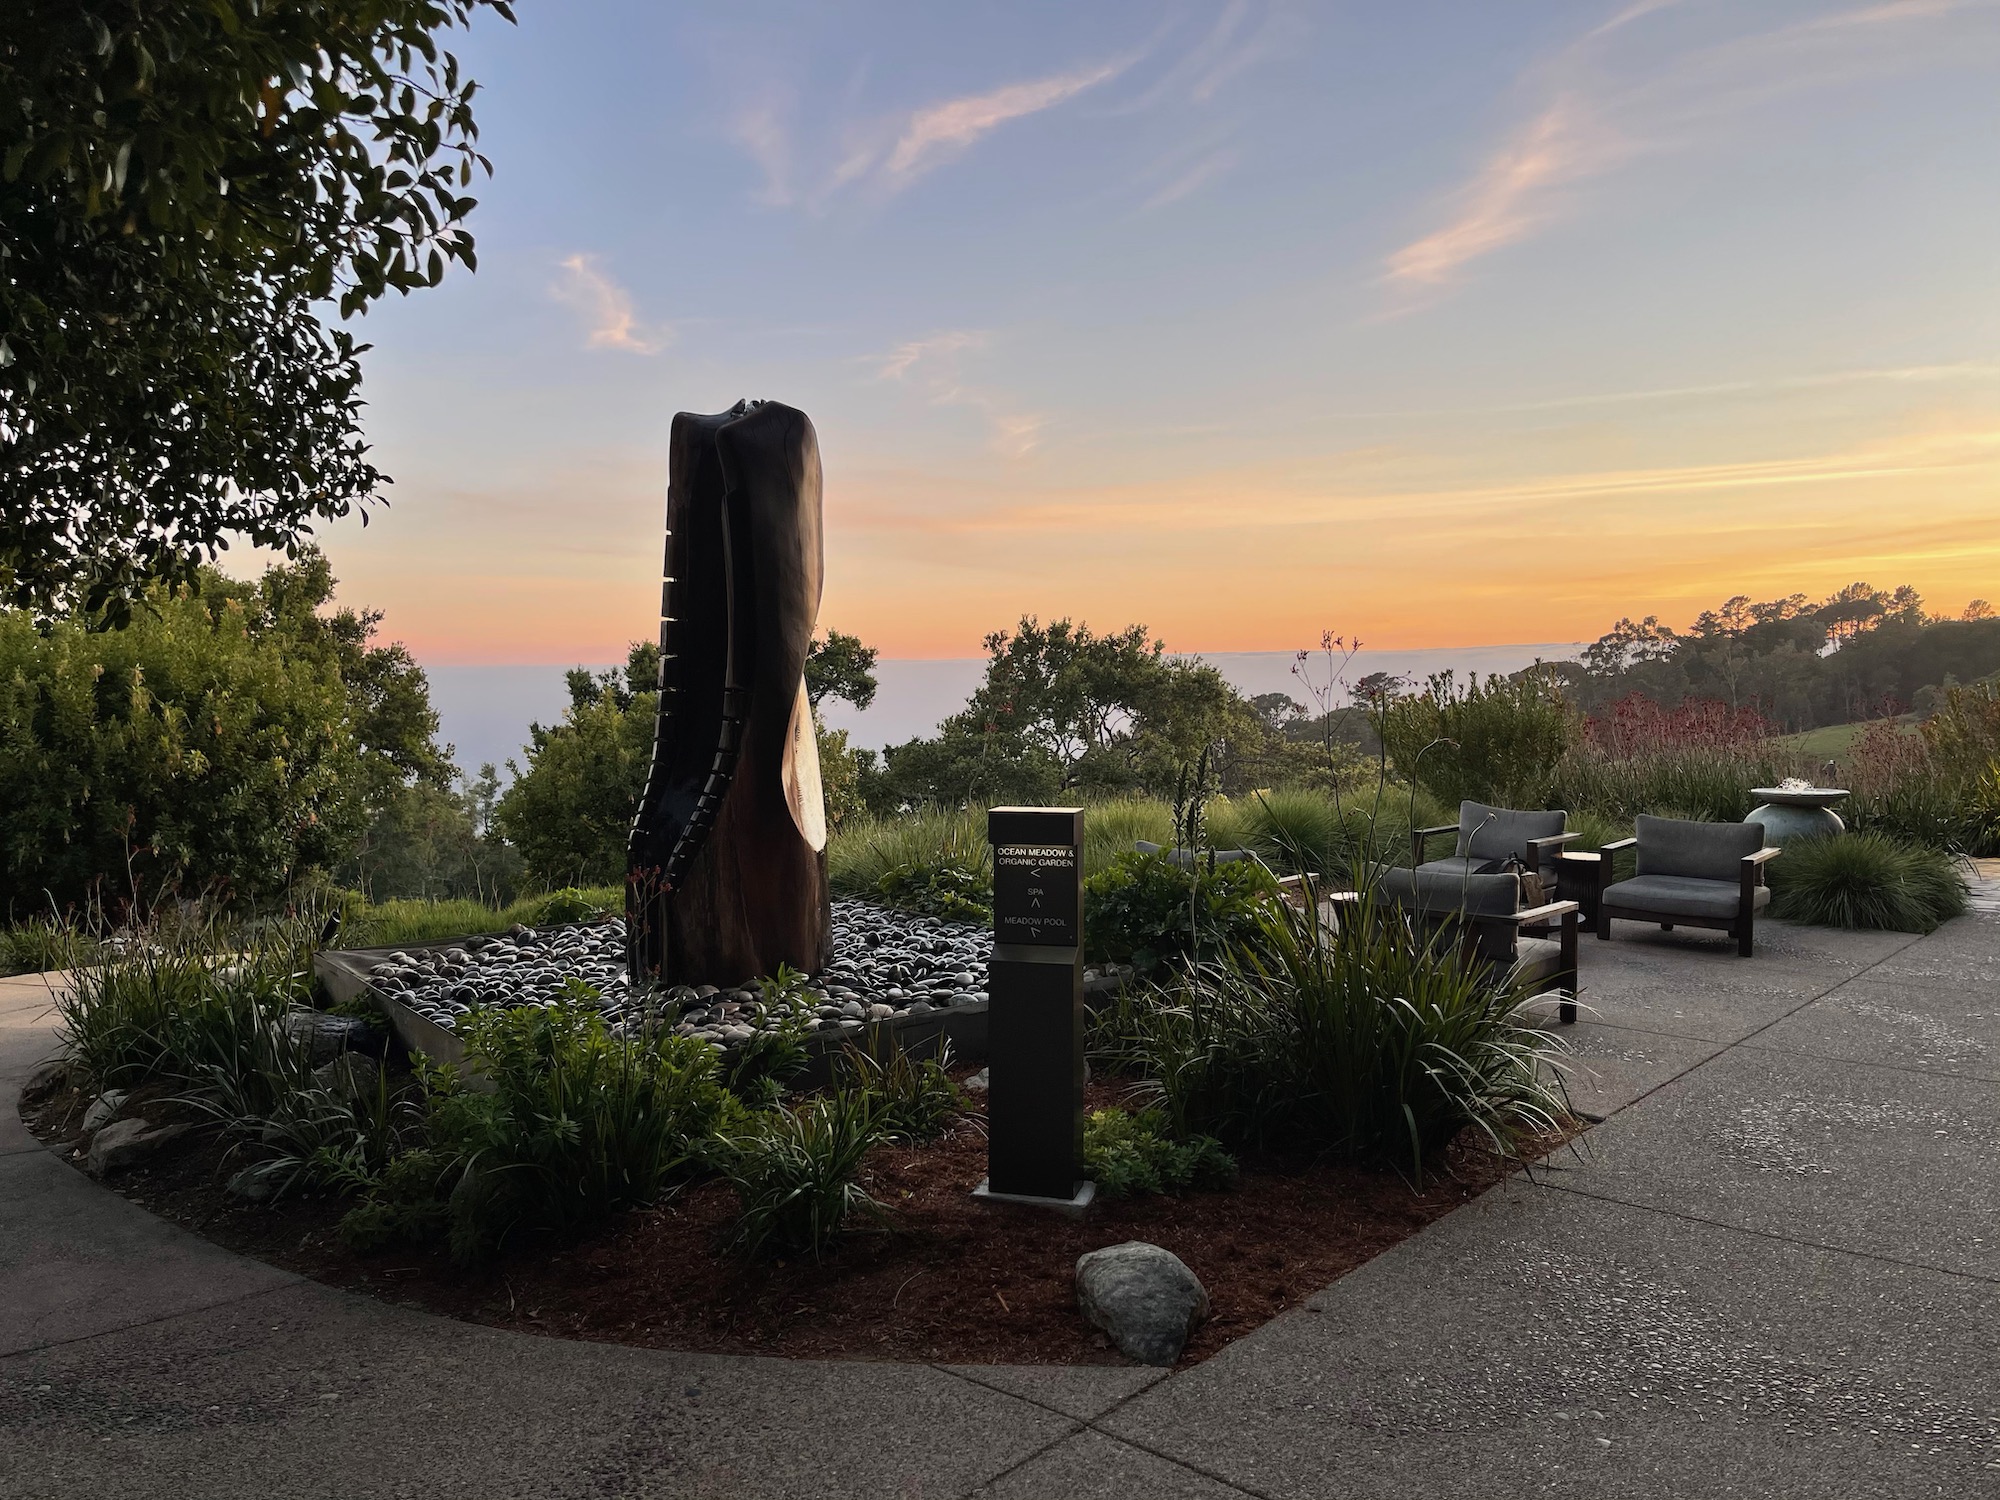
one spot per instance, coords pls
(1577, 877)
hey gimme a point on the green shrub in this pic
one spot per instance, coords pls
(1376, 1041)
(1127, 1154)
(42, 944)
(571, 904)
(578, 1123)
(757, 1071)
(914, 1101)
(1144, 909)
(955, 892)
(222, 743)
(1493, 740)
(794, 1175)
(1868, 881)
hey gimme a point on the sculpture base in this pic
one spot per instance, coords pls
(1786, 823)
(1075, 1206)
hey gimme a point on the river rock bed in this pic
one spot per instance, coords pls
(885, 964)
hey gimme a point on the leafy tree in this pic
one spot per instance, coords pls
(1063, 710)
(183, 185)
(1629, 643)
(570, 808)
(229, 741)
(841, 667)
(424, 841)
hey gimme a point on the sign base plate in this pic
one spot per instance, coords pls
(1075, 1206)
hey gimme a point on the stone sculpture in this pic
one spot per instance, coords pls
(726, 867)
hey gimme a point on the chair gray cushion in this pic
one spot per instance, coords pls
(1493, 833)
(1451, 893)
(1682, 896)
(1536, 963)
(1458, 866)
(1697, 851)
(1182, 857)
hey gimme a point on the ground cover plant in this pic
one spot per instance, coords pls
(1128, 1154)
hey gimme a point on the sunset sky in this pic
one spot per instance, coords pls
(1436, 324)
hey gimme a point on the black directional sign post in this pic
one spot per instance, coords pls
(1034, 1048)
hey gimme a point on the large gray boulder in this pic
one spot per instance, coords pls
(1144, 1297)
(124, 1143)
(103, 1110)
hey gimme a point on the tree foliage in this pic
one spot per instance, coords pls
(182, 184)
(1063, 710)
(227, 742)
(1798, 663)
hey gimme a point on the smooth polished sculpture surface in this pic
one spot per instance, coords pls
(726, 866)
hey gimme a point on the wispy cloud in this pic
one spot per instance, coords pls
(606, 308)
(761, 131)
(898, 361)
(939, 129)
(1508, 197)
(1204, 171)
(935, 364)
(883, 154)
(1592, 117)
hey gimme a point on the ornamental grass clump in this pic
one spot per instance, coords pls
(1375, 1041)
(180, 1002)
(915, 1101)
(794, 1173)
(1866, 881)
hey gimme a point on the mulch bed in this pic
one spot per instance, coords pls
(960, 1282)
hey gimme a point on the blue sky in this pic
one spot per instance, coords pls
(1433, 324)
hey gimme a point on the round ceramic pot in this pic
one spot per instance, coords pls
(1793, 816)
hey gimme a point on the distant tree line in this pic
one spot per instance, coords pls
(1858, 654)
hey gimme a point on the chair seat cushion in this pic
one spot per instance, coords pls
(1537, 961)
(1683, 896)
(1458, 866)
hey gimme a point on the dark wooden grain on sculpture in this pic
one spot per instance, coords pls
(726, 876)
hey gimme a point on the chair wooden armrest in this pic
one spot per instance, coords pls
(1764, 856)
(1616, 845)
(1419, 836)
(1547, 912)
(1542, 851)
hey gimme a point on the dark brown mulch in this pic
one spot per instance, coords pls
(959, 1282)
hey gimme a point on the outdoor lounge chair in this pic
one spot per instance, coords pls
(1489, 836)
(1486, 912)
(1689, 875)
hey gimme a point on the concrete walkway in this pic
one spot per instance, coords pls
(1776, 1273)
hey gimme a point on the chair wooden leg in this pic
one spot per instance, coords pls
(1745, 935)
(1566, 1010)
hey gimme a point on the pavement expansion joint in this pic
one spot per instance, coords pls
(153, 1322)
(1771, 1235)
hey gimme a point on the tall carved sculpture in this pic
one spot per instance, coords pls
(726, 867)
